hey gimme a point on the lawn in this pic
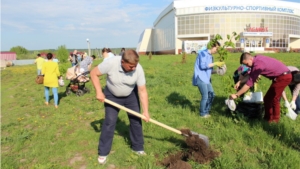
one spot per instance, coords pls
(37, 136)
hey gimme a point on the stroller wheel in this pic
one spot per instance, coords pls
(86, 90)
(68, 92)
(79, 93)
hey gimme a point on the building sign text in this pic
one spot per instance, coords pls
(249, 8)
(257, 33)
(256, 29)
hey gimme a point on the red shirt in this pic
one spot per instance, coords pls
(266, 66)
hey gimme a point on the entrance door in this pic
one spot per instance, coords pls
(254, 44)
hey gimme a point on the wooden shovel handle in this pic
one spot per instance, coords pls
(142, 116)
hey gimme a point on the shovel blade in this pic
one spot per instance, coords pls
(203, 137)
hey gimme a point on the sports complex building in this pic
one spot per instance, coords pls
(263, 25)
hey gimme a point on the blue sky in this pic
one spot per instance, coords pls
(47, 24)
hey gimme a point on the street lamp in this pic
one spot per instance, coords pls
(89, 49)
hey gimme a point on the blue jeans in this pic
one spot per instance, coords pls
(208, 95)
(39, 71)
(55, 94)
(298, 105)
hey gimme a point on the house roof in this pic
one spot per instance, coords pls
(8, 52)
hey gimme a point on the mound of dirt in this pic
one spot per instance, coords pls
(197, 150)
(176, 161)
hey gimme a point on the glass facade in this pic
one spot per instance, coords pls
(226, 23)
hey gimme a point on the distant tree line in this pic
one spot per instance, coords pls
(61, 53)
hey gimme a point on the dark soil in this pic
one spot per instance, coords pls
(196, 151)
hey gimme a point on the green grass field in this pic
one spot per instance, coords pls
(36, 136)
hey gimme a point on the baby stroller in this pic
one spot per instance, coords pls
(77, 81)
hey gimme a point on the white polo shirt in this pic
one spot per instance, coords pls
(118, 82)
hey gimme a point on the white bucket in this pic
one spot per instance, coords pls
(254, 97)
(257, 97)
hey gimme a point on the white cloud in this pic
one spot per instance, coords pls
(105, 20)
(70, 14)
(21, 27)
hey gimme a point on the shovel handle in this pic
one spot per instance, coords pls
(142, 116)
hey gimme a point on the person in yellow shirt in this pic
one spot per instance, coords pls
(51, 73)
(39, 61)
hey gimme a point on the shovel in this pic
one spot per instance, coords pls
(201, 136)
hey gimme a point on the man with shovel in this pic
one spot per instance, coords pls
(125, 85)
(275, 71)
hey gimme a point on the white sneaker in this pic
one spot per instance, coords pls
(141, 153)
(205, 116)
(102, 159)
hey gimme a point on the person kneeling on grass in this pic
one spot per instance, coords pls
(126, 85)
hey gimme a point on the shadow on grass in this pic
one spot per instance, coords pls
(279, 131)
(95, 124)
(176, 99)
(122, 128)
(60, 96)
(219, 107)
(282, 132)
(180, 142)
